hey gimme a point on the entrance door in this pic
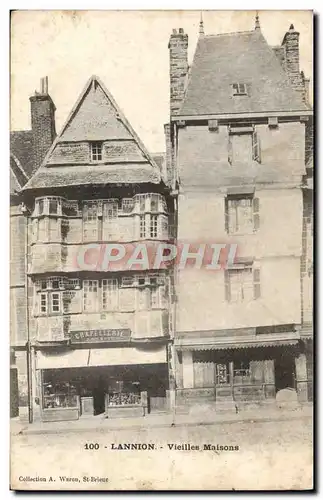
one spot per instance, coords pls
(98, 397)
(284, 372)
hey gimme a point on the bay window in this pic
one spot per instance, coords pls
(90, 295)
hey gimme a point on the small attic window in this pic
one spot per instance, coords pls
(239, 89)
(96, 151)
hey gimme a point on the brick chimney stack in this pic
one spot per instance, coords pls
(291, 45)
(177, 46)
(42, 122)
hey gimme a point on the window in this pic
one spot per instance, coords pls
(142, 203)
(241, 369)
(154, 203)
(239, 89)
(90, 295)
(53, 206)
(142, 226)
(151, 295)
(240, 148)
(222, 373)
(90, 221)
(242, 284)
(96, 151)
(110, 294)
(153, 226)
(43, 303)
(241, 214)
(110, 221)
(244, 145)
(40, 207)
(127, 205)
(55, 302)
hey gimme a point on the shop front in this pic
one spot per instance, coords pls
(231, 372)
(109, 381)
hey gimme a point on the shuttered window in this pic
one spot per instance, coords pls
(256, 147)
(241, 214)
(242, 284)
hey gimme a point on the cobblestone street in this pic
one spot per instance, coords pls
(271, 455)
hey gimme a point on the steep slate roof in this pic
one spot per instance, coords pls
(245, 57)
(21, 159)
(96, 117)
(21, 147)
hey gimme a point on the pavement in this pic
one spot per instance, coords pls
(198, 417)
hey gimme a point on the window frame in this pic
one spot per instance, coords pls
(239, 89)
(254, 213)
(96, 151)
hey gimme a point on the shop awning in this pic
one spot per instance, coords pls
(231, 342)
(101, 357)
(67, 359)
(127, 356)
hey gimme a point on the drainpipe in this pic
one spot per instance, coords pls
(25, 211)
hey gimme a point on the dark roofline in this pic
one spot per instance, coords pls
(254, 114)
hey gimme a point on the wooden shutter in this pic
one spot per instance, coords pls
(256, 283)
(256, 147)
(226, 215)
(227, 286)
(230, 150)
(256, 215)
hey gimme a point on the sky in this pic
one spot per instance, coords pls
(128, 50)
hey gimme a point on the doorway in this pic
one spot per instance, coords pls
(284, 371)
(98, 394)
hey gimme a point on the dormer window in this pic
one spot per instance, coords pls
(239, 89)
(96, 151)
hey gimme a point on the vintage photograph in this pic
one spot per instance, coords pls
(161, 251)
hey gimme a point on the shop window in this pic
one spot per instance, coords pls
(59, 395)
(110, 295)
(241, 369)
(241, 214)
(90, 295)
(222, 373)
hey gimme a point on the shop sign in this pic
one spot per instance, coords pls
(110, 335)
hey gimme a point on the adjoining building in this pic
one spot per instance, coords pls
(236, 155)
(27, 150)
(98, 339)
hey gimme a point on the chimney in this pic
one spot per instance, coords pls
(177, 46)
(42, 122)
(291, 45)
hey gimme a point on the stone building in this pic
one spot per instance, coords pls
(236, 163)
(98, 334)
(27, 150)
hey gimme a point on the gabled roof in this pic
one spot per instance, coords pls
(21, 147)
(96, 117)
(245, 57)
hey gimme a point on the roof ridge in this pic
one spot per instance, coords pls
(229, 33)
